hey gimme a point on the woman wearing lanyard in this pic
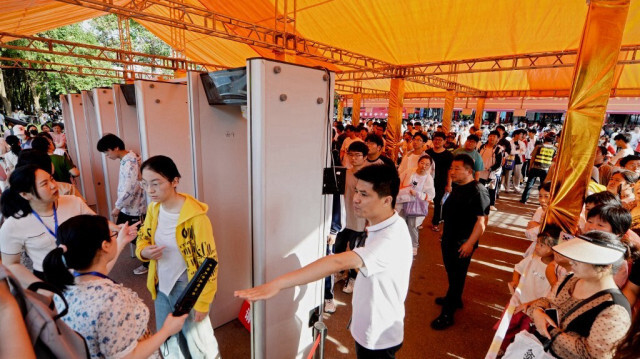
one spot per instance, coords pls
(112, 318)
(33, 210)
(176, 238)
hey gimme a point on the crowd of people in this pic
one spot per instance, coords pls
(50, 234)
(590, 279)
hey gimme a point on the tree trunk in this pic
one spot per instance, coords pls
(36, 96)
(3, 95)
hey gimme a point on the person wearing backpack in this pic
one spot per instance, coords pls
(14, 338)
(592, 314)
(112, 318)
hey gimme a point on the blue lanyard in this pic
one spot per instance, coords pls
(97, 274)
(55, 222)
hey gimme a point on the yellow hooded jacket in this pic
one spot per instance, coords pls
(194, 237)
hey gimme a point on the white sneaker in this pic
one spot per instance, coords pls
(329, 306)
(140, 270)
(415, 251)
(348, 288)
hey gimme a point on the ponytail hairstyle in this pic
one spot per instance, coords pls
(14, 143)
(79, 239)
(22, 179)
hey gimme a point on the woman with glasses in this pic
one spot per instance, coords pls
(585, 315)
(112, 318)
(416, 188)
(34, 208)
(176, 238)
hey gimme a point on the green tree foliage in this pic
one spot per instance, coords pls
(31, 90)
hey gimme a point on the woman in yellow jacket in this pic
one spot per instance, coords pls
(176, 237)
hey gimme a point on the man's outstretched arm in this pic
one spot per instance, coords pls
(307, 274)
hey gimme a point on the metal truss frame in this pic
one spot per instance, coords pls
(202, 20)
(380, 94)
(37, 65)
(121, 56)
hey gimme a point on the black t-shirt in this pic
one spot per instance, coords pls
(442, 161)
(634, 276)
(461, 210)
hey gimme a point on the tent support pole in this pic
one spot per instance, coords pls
(593, 78)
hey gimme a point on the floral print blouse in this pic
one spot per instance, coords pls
(111, 317)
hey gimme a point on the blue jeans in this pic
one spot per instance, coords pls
(195, 340)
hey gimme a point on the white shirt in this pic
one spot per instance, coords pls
(382, 284)
(622, 153)
(28, 234)
(533, 281)
(171, 265)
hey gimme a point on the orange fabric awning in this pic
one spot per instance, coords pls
(397, 32)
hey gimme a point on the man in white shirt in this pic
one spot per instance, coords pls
(384, 261)
(622, 141)
(131, 203)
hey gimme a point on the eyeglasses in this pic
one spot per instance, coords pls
(153, 185)
(113, 234)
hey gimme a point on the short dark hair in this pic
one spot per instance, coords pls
(473, 138)
(350, 128)
(161, 165)
(372, 137)
(384, 178)
(532, 130)
(340, 126)
(358, 146)
(550, 235)
(603, 150)
(500, 127)
(627, 159)
(57, 124)
(37, 158)
(440, 134)
(602, 198)
(466, 160)
(494, 132)
(40, 144)
(110, 142)
(623, 136)
(425, 156)
(617, 216)
(421, 135)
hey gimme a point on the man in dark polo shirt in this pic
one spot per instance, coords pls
(465, 216)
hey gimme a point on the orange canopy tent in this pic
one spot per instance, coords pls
(396, 33)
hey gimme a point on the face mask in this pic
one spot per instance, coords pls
(34, 132)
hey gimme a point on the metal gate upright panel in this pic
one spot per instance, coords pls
(126, 120)
(81, 143)
(163, 119)
(69, 133)
(95, 159)
(106, 123)
(220, 148)
(290, 110)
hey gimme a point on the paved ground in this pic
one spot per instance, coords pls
(485, 295)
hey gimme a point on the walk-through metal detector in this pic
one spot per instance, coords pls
(163, 122)
(79, 146)
(105, 122)
(259, 164)
(289, 109)
(124, 99)
(95, 158)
